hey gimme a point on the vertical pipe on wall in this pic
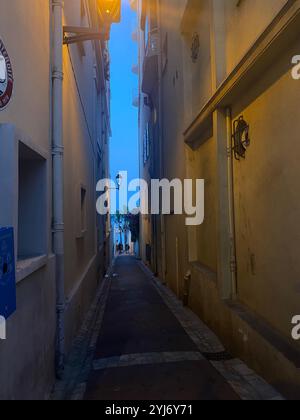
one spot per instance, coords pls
(233, 265)
(58, 179)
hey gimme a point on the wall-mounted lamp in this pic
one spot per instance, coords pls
(109, 12)
(240, 138)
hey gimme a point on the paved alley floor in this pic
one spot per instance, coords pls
(140, 343)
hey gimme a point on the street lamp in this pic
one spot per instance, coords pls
(119, 181)
(118, 184)
(109, 12)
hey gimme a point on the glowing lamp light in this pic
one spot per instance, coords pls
(110, 10)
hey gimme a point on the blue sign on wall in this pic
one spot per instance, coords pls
(7, 273)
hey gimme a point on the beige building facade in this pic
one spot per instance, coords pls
(29, 181)
(217, 75)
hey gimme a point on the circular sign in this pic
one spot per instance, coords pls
(6, 77)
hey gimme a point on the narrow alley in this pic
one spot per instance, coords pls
(180, 360)
(149, 210)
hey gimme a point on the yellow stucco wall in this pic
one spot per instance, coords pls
(27, 356)
(206, 167)
(245, 20)
(79, 171)
(267, 204)
(80, 132)
(265, 186)
(196, 94)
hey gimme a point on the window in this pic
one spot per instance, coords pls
(146, 32)
(147, 143)
(81, 49)
(80, 45)
(83, 209)
(32, 210)
(165, 54)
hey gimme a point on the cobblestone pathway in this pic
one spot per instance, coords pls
(139, 343)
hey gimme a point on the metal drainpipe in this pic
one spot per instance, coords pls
(58, 180)
(233, 265)
(160, 123)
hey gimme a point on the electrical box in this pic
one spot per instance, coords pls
(7, 273)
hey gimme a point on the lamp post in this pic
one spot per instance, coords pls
(119, 181)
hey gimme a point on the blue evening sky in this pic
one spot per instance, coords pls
(124, 117)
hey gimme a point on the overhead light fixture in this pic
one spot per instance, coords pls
(109, 12)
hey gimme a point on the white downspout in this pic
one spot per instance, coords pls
(58, 178)
(233, 263)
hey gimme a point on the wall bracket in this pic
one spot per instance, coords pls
(75, 34)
